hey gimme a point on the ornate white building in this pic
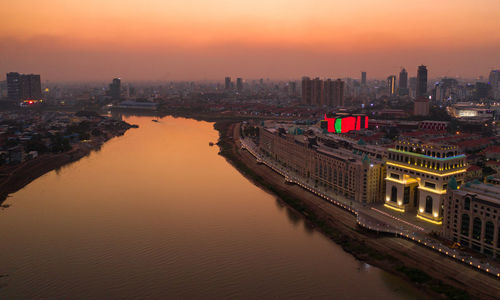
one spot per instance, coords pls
(418, 175)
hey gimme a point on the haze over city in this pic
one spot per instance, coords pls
(197, 40)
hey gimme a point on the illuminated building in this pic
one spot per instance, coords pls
(472, 217)
(417, 177)
(342, 167)
(391, 85)
(342, 123)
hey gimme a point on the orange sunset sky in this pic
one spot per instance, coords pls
(281, 39)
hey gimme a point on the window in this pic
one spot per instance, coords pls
(430, 185)
(428, 204)
(488, 233)
(465, 225)
(394, 194)
(395, 176)
(406, 195)
(467, 203)
(476, 228)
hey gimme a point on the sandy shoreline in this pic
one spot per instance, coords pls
(445, 277)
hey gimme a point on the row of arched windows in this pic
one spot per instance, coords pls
(489, 229)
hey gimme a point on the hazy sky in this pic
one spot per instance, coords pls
(208, 39)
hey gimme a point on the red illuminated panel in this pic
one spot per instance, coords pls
(331, 124)
(366, 121)
(358, 122)
(348, 124)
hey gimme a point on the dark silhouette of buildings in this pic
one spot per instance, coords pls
(239, 84)
(403, 83)
(421, 81)
(22, 87)
(318, 92)
(363, 78)
(227, 83)
(115, 89)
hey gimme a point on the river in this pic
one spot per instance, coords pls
(157, 213)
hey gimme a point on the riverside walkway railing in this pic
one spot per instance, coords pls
(369, 222)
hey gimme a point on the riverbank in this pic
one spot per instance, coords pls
(14, 178)
(441, 278)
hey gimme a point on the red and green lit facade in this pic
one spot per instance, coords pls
(346, 123)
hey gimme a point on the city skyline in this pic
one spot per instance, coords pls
(278, 40)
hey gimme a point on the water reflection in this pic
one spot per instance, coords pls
(158, 213)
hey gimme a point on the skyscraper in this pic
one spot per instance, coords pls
(363, 78)
(391, 85)
(239, 85)
(421, 81)
(227, 83)
(403, 83)
(24, 86)
(115, 89)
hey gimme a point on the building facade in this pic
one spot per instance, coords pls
(472, 217)
(347, 169)
(417, 177)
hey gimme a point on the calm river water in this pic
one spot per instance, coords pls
(157, 213)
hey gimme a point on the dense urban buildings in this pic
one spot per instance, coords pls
(326, 92)
(343, 166)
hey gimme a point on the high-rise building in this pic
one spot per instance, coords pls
(363, 78)
(421, 81)
(391, 85)
(239, 84)
(292, 88)
(227, 83)
(31, 87)
(338, 93)
(115, 89)
(403, 83)
(14, 86)
(24, 86)
(494, 81)
(317, 91)
(306, 90)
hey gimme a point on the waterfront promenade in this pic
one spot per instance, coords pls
(375, 219)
